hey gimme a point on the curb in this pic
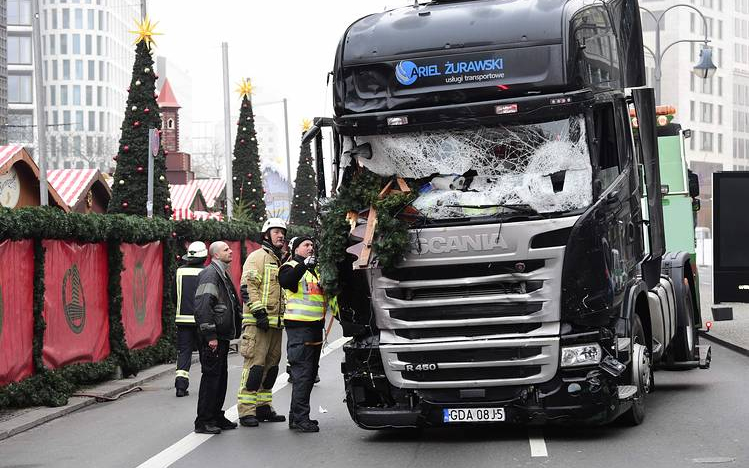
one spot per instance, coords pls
(727, 344)
(41, 415)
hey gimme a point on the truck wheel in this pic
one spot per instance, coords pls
(642, 373)
(686, 339)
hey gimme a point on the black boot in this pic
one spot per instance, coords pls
(305, 426)
(266, 414)
(291, 422)
(249, 421)
(182, 392)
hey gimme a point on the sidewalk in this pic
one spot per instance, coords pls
(731, 334)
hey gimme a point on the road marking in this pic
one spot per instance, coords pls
(192, 441)
(538, 444)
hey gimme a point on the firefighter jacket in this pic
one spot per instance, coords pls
(185, 286)
(306, 302)
(260, 274)
(217, 307)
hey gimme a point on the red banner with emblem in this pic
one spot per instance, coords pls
(75, 303)
(142, 283)
(16, 310)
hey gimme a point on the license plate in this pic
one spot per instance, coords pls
(473, 415)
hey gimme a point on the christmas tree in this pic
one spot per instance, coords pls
(130, 189)
(303, 206)
(247, 180)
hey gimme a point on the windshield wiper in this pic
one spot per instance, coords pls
(519, 208)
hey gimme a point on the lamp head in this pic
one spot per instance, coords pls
(705, 68)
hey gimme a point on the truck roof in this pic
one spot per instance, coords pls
(442, 26)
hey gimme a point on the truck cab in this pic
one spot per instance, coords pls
(535, 286)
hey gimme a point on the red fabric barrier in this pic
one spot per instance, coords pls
(16, 310)
(75, 303)
(142, 281)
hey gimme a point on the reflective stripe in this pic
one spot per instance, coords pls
(307, 304)
(264, 397)
(181, 273)
(183, 373)
(207, 288)
(246, 399)
(249, 319)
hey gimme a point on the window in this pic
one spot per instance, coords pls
(691, 110)
(90, 19)
(89, 95)
(170, 124)
(98, 96)
(19, 89)
(54, 18)
(706, 142)
(608, 153)
(66, 69)
(720, 114)
(79, 123)
(720, 86)
(79, 69)
(63, 43)
(98, 45)
(691, 140)
(707, 85)
(63, 95)
(102, 128)
(52, 44)
(78, 18)
(691, 82)
(720, 143)
(76, 95)
(66, 120)
(91, 70)
(101, 71)
(89, 45)
(19, 12)
(706, 112)
(101, 20)
(76, 44)
(21, 128)
(65, 18)
(64, 150)
(53, 95)
(19, 50)
(91, 121)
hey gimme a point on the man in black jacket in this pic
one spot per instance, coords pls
(217, 315)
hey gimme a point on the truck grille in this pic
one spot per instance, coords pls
(502, 287)
(470, 355)
(452, 375)
(478, 311)
(481, 330)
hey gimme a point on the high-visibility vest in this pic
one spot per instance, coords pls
(307, 304)
(187, 283)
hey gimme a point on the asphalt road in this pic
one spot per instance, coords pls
(694, 418)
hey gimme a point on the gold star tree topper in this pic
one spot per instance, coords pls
(244, 88)
(306, 124)
(146, 31)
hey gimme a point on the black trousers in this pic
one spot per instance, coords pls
(214, 366)
(304, 360)
(187, 342)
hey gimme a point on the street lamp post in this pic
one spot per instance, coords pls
(704, 69)
(286, 133)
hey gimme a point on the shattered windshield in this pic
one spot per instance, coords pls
(486, 171)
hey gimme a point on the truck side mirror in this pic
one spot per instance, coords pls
(694, 184)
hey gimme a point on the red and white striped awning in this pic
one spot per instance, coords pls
(72, 184)
(179, 214)
(183, 196)
(7, 152)
(211, 189)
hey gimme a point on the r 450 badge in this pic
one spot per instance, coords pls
(421, 367)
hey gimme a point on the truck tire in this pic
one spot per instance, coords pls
(686, 338)
(642, 373)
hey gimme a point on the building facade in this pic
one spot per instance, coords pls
(87, 54)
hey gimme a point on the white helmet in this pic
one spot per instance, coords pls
(274, 223)
(196, 250)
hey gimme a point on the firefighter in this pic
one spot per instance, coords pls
(187, 334)
(262, 327)
(306, 307)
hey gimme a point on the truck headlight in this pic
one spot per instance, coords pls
(581, 355)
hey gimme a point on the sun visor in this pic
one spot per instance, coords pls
(450, 79)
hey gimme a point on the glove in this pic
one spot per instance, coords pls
(310, 262)
(261, 317)
(245, 295)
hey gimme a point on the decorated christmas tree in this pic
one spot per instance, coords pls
(130, 189)
(247, 180)
(303, 205)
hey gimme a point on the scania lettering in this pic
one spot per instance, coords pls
(538, 286)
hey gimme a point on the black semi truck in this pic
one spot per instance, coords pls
(537, 288)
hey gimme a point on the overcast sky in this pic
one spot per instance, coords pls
(285, 46)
